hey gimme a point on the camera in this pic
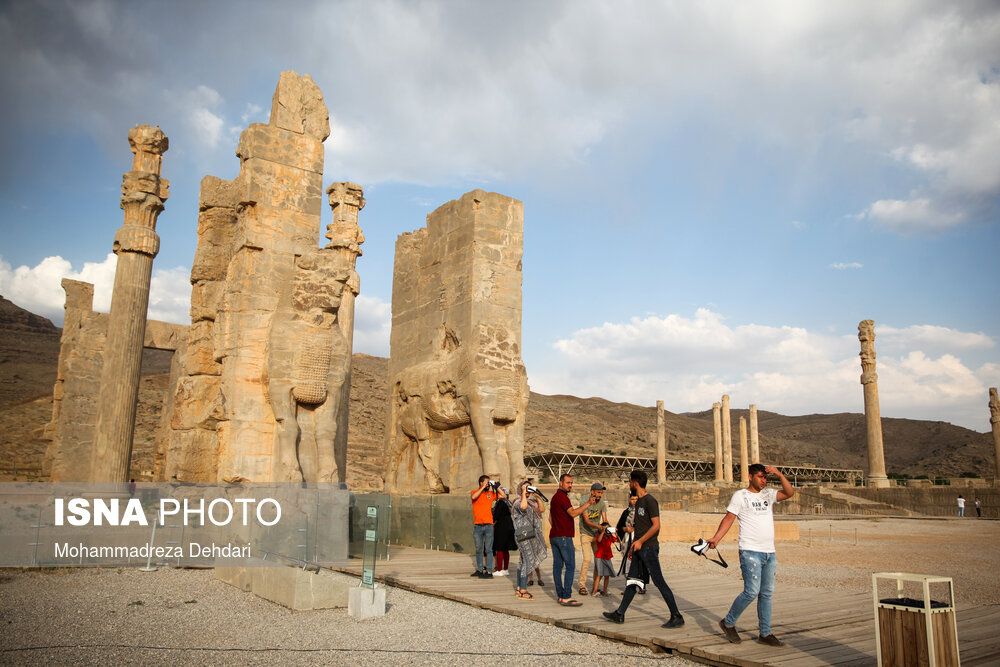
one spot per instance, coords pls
(611, 530)
(700, 548)
(534, 489)
(494, 485)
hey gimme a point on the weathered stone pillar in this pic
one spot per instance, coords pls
(344, 233)
(754, 442)
(873, 417)
(720, 474)
(995, 423)
(136, 244)
(744, 455)
(727, 440)
(661, 446)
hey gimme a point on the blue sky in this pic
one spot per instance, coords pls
(715, 194)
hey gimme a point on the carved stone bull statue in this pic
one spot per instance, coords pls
(445, 394)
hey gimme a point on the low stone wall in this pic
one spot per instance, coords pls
(935, 500)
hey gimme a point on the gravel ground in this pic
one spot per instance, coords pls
(123, 616)
(127, 617)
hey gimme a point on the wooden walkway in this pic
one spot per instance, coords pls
(819, 627)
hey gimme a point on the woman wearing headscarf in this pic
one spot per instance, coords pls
(527, 516)
(503, 533)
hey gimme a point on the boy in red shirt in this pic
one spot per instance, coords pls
(603, 567)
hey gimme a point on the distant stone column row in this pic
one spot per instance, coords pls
(722, 430)
(727, 441)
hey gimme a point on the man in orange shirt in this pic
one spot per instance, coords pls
(482, 529)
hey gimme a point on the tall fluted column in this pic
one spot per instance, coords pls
(344, 233)
(136, 244)
(754, 442)
(727, 440)
(873, 417)
(720, 474)
(661, 445)
(744, 463)
(995, 423)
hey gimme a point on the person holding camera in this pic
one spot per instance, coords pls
(645, 554)
(482, 528)
(527, 516)
(561, 540)
(603, 567)
(590, 526)
(754, 507)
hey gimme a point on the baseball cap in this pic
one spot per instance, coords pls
(596, 486)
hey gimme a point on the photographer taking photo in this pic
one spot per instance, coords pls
(482, 529)
(527, 515)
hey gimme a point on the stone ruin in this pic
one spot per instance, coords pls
(458, 388)
(263, 390)
(260, 381)
(71, 432)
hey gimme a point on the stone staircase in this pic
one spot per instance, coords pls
(843, 502)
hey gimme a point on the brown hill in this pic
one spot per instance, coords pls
(29, 351)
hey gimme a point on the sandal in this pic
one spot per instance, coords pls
(583, 591)
(531, 583)
(540, 582)
(525, 595)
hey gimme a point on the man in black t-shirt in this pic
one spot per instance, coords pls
(645, 554)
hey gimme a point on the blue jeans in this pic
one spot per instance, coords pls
(482, 535)
(522, 573)
(563, 555)
(758, 583)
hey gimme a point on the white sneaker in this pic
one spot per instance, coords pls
(497, 573)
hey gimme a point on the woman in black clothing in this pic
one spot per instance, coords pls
(503, 534)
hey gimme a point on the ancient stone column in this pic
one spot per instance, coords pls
(661, 446)
(720, 474)
(344, 233)
(136, 244)
(995, 423)
(727, 440)
(873, 418)
(744, 463)
(754, 442)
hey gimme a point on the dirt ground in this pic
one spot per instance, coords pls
(826, 556)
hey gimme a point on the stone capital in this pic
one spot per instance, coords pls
(148, 144)
(867, 377)
(137, 238)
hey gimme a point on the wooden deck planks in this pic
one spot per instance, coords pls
(820, 627)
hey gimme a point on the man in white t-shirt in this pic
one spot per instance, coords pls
(754, 507)
(961, 506)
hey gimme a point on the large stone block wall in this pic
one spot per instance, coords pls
(81, 362)
(458, 387)
(260, 397)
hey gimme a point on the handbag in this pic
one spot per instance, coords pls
(526, 531)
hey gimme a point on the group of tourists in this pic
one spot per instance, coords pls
(504, 523)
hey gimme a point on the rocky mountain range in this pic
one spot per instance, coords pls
(29, 352)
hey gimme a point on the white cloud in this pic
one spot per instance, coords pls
(840, 266)
(39, 289)
(207, 126)
(915, 215)
(372, 325)
(690, 362)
